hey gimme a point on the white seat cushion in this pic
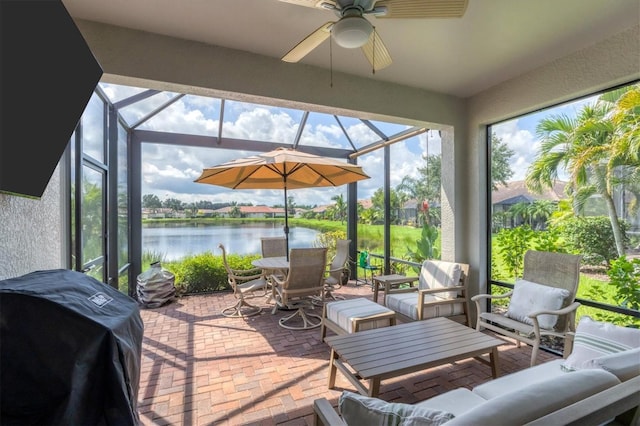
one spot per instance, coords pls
(456, 401)
(343, 313)
(407, 304)
(506, 384)
(528, 402)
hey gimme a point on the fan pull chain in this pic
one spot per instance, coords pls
(373, 54)
(330, 61)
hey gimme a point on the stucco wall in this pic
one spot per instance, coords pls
(31, 235)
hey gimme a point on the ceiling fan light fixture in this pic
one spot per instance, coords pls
(352, 31)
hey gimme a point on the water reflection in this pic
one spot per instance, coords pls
(177, 241)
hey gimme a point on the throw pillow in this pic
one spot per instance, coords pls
(625, 365)
(356, 409)
(529, 297)
(594, 339)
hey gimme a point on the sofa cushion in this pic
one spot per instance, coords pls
(539, 399)
(356, 409)
(407, 304)
(529, 297)
(441, 275)
(594, 339)
(514, 381)
(456, 401)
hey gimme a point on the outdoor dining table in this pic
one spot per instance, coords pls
(279, 263)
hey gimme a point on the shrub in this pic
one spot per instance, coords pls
(592, 237)
(426, 247)
(625, 276)
(512, 243)
(328, 240)
(204, 273)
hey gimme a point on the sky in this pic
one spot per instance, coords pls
(169, 171)
(520, 134)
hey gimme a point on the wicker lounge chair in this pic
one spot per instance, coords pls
(554, 278)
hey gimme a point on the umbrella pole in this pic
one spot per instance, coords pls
(286, 217)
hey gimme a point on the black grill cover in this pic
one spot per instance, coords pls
(70, 351)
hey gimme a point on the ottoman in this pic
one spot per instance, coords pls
(352, 315)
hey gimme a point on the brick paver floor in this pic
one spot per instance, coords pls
(201, 368)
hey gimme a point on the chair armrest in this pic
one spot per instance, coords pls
(329, 270)
(277, 279)
(572, 307)
(324, 414)
(440, 290)
(247, 272)
(240, 279)
(389, 290)
(423, 292)
(479, 297)
(410, 280)
(534, 316)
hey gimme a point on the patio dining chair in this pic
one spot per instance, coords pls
(542, 303)
(304, 281)
(245, 283)
(335, 272)
(273, 246)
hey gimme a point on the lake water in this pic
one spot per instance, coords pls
(175, 242)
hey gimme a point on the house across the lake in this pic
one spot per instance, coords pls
(259, 212)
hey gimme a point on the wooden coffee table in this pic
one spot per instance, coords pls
(383, 353)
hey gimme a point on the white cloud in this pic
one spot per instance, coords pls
(169, 171)
(522, 142)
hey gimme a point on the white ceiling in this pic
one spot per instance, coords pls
(495, 40)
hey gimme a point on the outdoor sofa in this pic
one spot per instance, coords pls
(586, 388)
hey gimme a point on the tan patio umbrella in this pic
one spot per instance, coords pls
(282, 168)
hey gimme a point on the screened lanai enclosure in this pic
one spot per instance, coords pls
(132, 143)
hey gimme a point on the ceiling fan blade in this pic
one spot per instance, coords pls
(322, 4)
(423, 8)
(376, 52)
(312, 41)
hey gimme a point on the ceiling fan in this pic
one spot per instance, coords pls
(353, 30)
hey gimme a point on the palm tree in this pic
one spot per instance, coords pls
(540, 211)
(522, 210)
(625, 158)
(590, 147)
(370, 215)
(340, 207)
(235, 211)
(626, 118)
